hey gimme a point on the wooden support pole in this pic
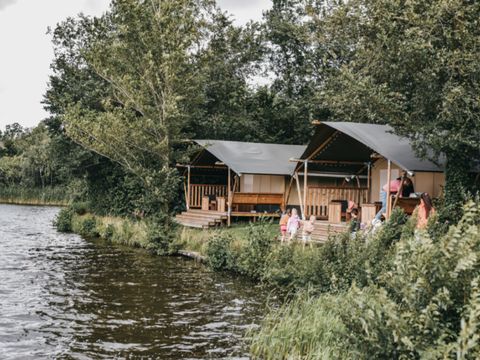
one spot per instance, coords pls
(188, 188)
(389, 179)
(329, 162)
(186, 193)
(324, 144)
(287, 194)
(221, 167)
(305, 186)
(229, 187)
(299, 193)
(399, 192)
(369, 180)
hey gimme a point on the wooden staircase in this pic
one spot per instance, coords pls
(324, 229)
(201, 219)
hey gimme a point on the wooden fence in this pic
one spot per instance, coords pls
(318, 198)
(197, 191)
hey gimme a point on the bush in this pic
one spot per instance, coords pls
(161, 235)
(253, 257)
(219, 253)
(86, 226)
(425, 303)
(80, 208)
(63, 221)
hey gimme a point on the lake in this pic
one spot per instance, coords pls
(64, 297)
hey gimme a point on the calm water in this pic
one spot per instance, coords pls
(62, 297)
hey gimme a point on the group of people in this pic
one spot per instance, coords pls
(290, 224)
(403, 187)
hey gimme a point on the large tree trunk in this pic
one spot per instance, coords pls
(458, 183)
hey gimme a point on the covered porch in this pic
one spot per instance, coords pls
(351, 162)
(236, 180)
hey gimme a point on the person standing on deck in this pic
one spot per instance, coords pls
(293, 224)
(308, 229)
(395, 186)
(283, 224)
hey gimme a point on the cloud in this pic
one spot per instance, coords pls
(5, 3)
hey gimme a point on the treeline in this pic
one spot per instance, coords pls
(131, 87)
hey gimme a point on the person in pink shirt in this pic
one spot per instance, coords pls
(395, 186)
(293, 224)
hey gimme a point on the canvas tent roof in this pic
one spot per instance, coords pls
(250, 158)
(347, 141)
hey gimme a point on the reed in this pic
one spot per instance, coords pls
(20, 195)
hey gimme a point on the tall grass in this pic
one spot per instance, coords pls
(33, 196)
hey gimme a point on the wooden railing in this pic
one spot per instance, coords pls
(318, 198)
(197, 191)
(258, 198)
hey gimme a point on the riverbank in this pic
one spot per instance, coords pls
(351, 297)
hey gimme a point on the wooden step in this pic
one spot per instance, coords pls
(201, 216)
(194, 219)
(209, 212)
(192, 223)
(211, 222)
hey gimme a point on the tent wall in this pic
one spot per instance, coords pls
(430, 182)
(312, 181)
(262, 184)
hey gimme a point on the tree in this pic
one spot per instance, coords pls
(225, 64)
(140, 53)
(414, 65)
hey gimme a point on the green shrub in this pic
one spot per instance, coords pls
(253, 256)
(425, 303)
(80, 208)
(87, 227)
(63, 221)
(161, 235)
(219, 252)
(108, 232)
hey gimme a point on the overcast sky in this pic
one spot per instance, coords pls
(26, 51)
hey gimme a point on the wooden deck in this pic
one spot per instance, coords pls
(201, 219)
(324, 229)
(210, 219)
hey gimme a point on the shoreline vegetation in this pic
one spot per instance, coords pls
(19, 195)
(397, 293)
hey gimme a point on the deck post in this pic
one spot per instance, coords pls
(188, 187)
(369, 182)
(229, 187)
(305, 186)
(299, 193)
(287, 194)
(389, 179)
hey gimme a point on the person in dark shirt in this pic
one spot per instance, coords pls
(407, 187)
(354, 225)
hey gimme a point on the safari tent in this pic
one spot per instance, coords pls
(347, 161)
(230, 179)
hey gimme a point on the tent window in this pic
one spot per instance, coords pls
(247, 183)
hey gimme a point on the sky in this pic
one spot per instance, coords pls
(26, 51)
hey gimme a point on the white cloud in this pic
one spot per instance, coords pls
(245, 10)
(5, 3)
(26, 51)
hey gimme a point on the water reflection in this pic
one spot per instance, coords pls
(64, 297)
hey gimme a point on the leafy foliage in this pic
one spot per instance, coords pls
(424, 304)
(220, 256)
